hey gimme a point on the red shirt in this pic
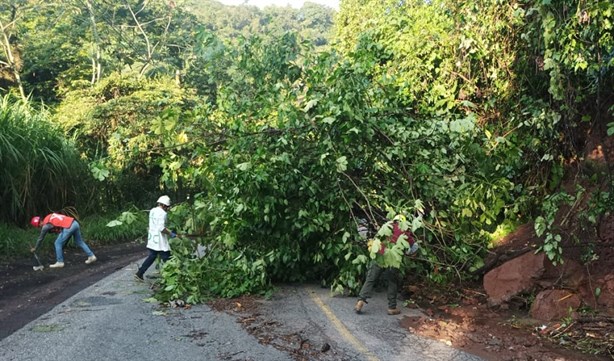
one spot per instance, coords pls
(58, 220)
(396, 233)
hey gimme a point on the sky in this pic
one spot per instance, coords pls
(294, 3)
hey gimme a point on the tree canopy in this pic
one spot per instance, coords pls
(286, 126)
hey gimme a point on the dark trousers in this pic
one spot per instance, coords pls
(390, 274)
(164, 256)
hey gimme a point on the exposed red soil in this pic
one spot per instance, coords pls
(461, 316)
(465, 321)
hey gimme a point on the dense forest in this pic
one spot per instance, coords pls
(275, 130)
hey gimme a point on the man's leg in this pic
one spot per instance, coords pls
(59, 245)
(392, 278)
(367, 288)
(75, 230)
(165, 255)
(147, 263)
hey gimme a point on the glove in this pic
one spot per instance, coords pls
(173, 234)
(412, 250)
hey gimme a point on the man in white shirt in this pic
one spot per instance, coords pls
(157, 237)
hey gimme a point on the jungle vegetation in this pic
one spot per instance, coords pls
(275, 130)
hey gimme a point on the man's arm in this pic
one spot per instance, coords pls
(44, 230)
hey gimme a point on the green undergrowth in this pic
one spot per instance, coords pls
(96, 228)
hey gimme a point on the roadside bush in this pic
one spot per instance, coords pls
(95, 228)
(117, 125)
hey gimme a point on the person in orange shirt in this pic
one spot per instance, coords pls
(66, 227)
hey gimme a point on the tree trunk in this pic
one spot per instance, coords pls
(10, 58)
(96, 65)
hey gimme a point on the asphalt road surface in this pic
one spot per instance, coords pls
(115, 319)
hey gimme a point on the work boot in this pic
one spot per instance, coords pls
(90, 259)
(393, 311)
(57, 265)
(359, 305)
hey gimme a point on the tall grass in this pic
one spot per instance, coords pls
(40, 170)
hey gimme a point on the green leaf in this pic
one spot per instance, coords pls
(360, 259)
(540, 226)
(374, 247)
(114, 223)
(416, 224)
(342, 164)
(128, 217)
(99, 173)
(310, 104)
(323, 156)
(244, 166)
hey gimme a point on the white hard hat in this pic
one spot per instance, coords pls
(165, 200)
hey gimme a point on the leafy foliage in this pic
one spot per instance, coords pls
(194, 276)
(277, 183)
(459, 115)
(117, 128)
(95, 228)
(394, 121)
(545, 226)
(312, 22)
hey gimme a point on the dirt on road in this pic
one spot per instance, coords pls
(458, 317)
(26, 294)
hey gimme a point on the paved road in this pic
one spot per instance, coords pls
(113, 320)
(373, 335)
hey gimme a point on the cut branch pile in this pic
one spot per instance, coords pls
(588, 334)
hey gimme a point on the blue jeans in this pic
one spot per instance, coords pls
(65, 234)
(164, 255)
